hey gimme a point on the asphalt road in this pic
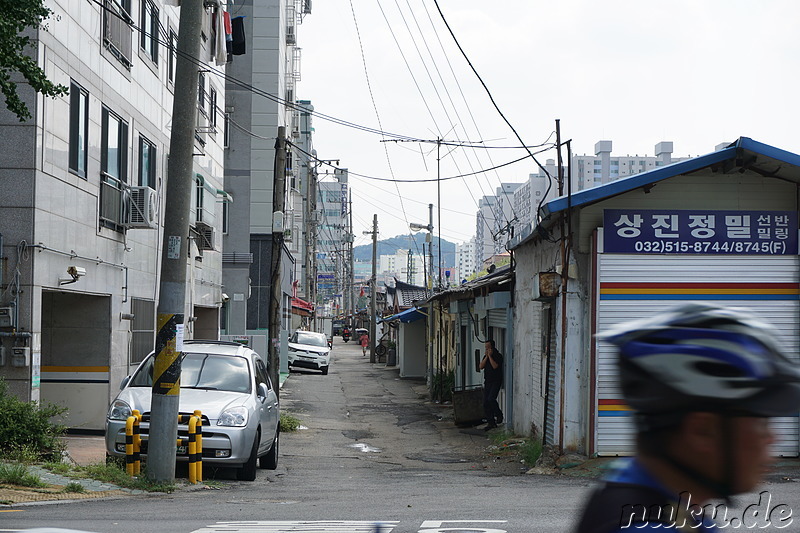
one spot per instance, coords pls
(373, 451)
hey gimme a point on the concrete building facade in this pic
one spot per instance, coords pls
(82, 219)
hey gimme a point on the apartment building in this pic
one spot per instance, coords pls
(82, 217)
(261, 99)
(332, 228)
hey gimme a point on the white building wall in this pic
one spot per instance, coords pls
(53, 217)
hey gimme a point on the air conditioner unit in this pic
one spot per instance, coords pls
(142, 208)
(205, 236)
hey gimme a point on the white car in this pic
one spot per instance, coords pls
(230, 384)
(309, 350)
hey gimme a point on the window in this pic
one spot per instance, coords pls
(226, 132)
(117, 33)
(201, 94)
(114, 167)
(78, 129)
(198, 200)
(114, 148)
(147, 163)
(143, 328)
(173, 47)
(149, 30)
(225, 217)
(212, 108)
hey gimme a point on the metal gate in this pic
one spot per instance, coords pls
(635, 286)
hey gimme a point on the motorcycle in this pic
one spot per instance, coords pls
(345, 335)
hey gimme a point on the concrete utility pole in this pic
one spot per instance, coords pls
(373, 308)
(275, 290)
(350, 239)
(172, 289)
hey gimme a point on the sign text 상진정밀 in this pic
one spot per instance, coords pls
(651, 231)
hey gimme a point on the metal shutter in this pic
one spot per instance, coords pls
(497, 318)
(634, 286)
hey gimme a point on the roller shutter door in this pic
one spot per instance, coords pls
(635, 286)
(497, 318)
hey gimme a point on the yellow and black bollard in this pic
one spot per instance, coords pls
(137, 443)
(199, 445)
(129, 465)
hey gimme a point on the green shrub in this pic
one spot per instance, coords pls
(74, 486)
(531, 450)
(442, 386)
(17, 474)
(57, 468)
(289, 422)
(27, 425)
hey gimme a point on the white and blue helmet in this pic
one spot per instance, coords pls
(701, 357)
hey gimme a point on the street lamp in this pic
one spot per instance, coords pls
(428, 238)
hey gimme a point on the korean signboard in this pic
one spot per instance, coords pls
(650, 231)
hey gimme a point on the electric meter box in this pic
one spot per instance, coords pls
(7, 317)
(20, 356)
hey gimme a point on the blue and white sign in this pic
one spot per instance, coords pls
(650, 231)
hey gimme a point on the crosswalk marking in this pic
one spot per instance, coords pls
(300, 526)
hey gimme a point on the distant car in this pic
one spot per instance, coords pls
(308, 349)
(230, 384)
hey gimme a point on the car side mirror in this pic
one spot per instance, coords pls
(263, 391)
(124, 382)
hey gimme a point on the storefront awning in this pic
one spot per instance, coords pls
(302, 307)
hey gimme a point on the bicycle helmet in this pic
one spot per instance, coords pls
(702, 357)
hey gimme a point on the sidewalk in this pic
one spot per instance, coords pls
(81, 450)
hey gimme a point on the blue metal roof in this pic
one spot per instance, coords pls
(409, 315)
(749, 154)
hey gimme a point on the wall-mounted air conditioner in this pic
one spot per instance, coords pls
(142, 208)
(205, 236)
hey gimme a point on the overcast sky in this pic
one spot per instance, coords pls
(636, 72)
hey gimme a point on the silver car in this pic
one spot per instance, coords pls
(230, 384)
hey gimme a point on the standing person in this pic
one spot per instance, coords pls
(492, 366)
(703, 381)
(364, 343)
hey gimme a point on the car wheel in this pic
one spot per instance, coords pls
(248, 470)
(324, 370)
(270, 461)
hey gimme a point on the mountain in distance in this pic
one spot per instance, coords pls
(412, 241)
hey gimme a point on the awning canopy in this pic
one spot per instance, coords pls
(301, 307)
(409, 315)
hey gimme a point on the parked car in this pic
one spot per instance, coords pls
(230, 384)
(308, 349)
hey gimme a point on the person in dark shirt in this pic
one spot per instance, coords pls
(492, 366)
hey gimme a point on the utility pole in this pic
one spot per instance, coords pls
(439, 207)
(172, 289)
(351, 280)
(430, 241)
(275, 290)
(373, 308)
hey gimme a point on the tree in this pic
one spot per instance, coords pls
(15, 17)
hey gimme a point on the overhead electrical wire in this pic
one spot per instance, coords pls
(377, 114)
(168, 45)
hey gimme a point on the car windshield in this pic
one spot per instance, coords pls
(311, 339)
(203, 371)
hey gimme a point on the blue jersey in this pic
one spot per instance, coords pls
(633, 500)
